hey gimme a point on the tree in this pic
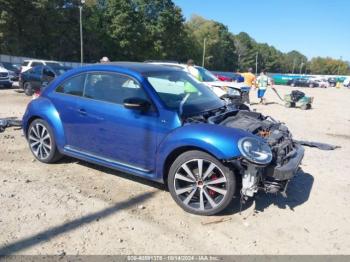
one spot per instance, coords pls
(137, 30)
(292, 61)
(220, 46)
(246, 49)
(328, 66)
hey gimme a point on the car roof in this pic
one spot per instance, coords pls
(138, 66)
(177, 65)
(38, 60)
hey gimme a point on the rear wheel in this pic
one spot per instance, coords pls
(200, 183)
(292, 84)
(42, 142)
(311, 85)
(28, 89)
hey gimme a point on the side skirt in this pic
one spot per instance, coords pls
(110, 163)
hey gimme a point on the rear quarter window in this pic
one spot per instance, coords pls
(25, 63)
(73, 86)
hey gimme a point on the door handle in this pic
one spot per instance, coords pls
(82, 111)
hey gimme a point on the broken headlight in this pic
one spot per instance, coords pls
(255, 151)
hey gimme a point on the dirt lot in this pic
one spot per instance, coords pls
(76, 208)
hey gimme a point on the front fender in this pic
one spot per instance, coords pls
(44, 109)
(220, 141)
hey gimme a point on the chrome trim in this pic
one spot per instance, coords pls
(105, 159)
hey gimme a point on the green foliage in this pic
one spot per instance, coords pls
(220, 46)
(246, 51)
(328, 66)
(138, 30)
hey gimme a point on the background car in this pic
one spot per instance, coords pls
(332, 81)
(5, 80)
(322, 82)
(28, 64)
(346, 82)
(226, 76)
(40, 76)
(302, 82)
(13, 69)
(220, 88)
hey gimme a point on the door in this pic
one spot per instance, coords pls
(65, 100)
(47, 76)
(108, 130)
(36, 77)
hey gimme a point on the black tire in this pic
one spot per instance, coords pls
(54, 155)
(28, 89)
(8, 86)
(220, 171)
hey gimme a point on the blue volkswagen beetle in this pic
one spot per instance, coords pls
(161, 124)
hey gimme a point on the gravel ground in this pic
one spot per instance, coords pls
(73, 207)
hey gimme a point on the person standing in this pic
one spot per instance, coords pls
(104, 60)
(193, 70)
(249, 82)
(249, 78)
(262, 82)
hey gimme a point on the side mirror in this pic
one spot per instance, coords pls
(136, 103)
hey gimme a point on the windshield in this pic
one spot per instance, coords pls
(206, 75)
(183, 93)
(9, 66)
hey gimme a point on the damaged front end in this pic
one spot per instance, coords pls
(267, 165)
(272, 177)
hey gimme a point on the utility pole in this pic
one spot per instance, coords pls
(81, 32)
(239, 61)
(204, 43)
(294, 61)
(256, 63)
(341, 59)
(301, 67)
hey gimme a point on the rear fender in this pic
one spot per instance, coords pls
(44, 109)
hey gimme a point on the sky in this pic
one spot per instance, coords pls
(313, 27)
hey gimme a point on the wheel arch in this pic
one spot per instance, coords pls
(175, 154)
(30, 120)
(42, 108)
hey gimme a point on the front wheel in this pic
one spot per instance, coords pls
(200, 183)
(42, 142)
(28, 89)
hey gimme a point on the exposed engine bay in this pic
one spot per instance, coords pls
(287, 154)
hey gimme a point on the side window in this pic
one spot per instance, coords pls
(73, 86)
(112, 88)
(36, 64)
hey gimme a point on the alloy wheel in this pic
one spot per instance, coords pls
(200, 184)
(40, 141)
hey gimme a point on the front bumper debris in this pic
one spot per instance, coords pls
(288, 170)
